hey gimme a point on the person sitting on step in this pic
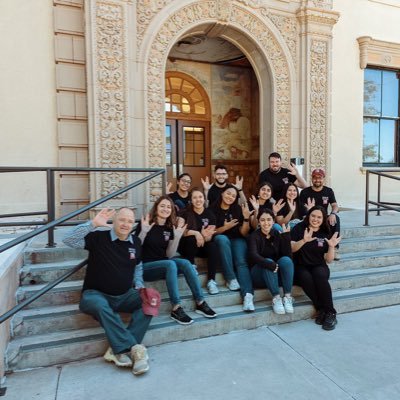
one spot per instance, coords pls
(160, 232)
(270, 256)
(114, 262)
(181, 196)
(313, 247)
(293, 210)
(197, 241)
(232, 228)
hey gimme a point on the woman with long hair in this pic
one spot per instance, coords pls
(233, 225)
(314, 247)
(264, 200)
(160, 232)
(293, 211)
(270, 257)
(181, 196)
(197, 241)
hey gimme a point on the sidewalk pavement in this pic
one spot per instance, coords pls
(358, 360)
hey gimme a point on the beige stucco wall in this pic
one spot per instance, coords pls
(378, 19)
(27, 101)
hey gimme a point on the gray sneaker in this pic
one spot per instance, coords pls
(233, 285)
(140, 359)
(212, 287)
(120, 360)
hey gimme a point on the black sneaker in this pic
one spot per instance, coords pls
(320, 318)
(204, 309)
(330, 321)
(181, 317)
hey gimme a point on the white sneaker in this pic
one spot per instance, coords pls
(288, 304)
(120, 360)
(248, 304)
(212, 287)
(277, 305)
(233, 285)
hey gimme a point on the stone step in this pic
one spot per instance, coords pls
(367, 231)
(356, 244)
(32, 274)
(60, 347)
(33, 255)
(65, 317)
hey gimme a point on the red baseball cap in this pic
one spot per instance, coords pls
(151, 301)
(318, 171)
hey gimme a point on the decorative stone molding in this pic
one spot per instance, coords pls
(110, 94)
(378, 52)
(253, 27)
(319, 104)
(322, 4)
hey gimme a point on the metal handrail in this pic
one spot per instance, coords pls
(59, 221)
(381, 205)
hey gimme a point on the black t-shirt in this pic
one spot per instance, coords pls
(311, 253)
(299, 213)
(155, 243)
(322, 198)
(111, 264)
(233, 212)
(277, 180)
(214, 193)
(179, 201)
(198, 221)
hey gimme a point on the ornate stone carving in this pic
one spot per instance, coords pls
(322, 4)
(318, 100)
(110, 95)
(249, 23)
(378, 52)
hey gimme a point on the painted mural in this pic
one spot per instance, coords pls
(231, 113)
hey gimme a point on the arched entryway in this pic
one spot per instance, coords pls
(187, 127)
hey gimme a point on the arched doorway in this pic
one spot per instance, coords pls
(187, 127)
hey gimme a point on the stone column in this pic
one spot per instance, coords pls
(108, 54)
(316, 20)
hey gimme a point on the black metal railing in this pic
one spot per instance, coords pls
(52, 223)
(379, 204)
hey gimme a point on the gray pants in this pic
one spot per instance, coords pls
(105, 309)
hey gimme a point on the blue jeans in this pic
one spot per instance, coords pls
(169, 270)
(105, 308)
(263, 277)
(233, 255)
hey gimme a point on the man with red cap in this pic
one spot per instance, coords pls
(319, 195)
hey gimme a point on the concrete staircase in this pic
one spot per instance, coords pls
(52, 330)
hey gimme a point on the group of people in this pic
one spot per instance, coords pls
(275, 238)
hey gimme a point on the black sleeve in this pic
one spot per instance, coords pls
(297, 232)
(138, 247)
(253, 252)
(332, 198)
(285, 246)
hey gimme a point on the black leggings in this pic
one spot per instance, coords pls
(189, 250)
(315, 282)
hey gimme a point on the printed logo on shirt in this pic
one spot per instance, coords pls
(228, 217)
(325, 199)
(205, 222)
(285, 180)
(320, 242)
(167, 235)
(132, 253)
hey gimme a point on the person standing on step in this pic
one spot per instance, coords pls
(160, 232)
(279, 176)
(213, 191)
(270, 256)
(181, 196)
(233, 225)
(320, 195)
(313, 247)
(197, 241)
(114, 263)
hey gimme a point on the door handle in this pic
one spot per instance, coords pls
(180, 168)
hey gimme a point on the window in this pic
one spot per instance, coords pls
(381, 118)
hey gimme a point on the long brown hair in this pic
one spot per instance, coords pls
(171, 220)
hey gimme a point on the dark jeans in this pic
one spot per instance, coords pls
(105, 309)
(188, 249)
(315, 282)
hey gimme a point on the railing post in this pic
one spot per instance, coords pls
(379, 195)
(51, 207)
(164, 183)
(366, 198)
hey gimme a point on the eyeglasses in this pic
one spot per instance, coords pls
(221, 174)
(185, 181)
